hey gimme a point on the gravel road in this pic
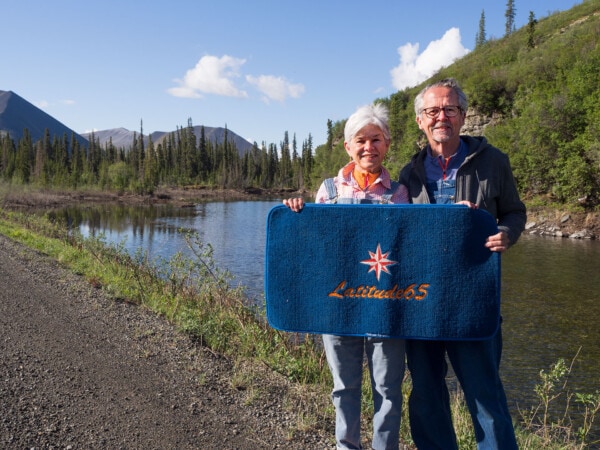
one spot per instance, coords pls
(82, 371)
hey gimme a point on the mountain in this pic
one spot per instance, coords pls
(16, 114)
(123, 138)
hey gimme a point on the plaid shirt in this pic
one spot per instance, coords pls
(347, 187)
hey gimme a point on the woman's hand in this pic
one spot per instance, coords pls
(295, 204)
(468, 203)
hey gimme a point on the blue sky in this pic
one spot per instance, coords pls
(259, 67)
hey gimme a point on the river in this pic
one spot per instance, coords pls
(550, 286)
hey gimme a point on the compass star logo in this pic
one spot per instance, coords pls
(379, 262)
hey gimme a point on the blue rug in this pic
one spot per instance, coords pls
(410, 271)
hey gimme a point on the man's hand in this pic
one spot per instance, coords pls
(497, 242)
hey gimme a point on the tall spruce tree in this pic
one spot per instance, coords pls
(76, 162)
(480, 38)
(142, 151)
(23, 158)
(329, 134)
(134, 155)
(7, 156)
(285, 162)
(204, 166)
(60, 152)
(296, 165)
(531, 30)
(273, 164)
(307, 161)
(510, 17)
(190, 159)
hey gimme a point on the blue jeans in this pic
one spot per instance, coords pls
(476, 364)
(385, 358)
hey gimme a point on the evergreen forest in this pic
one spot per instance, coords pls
(536, 89)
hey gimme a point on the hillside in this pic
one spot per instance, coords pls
(17, 114)
(535, 95)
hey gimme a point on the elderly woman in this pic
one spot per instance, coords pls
(364, 180)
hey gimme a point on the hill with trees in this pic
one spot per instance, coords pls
(538, 89)
(534, 93)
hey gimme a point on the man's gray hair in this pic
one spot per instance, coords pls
(447, 83)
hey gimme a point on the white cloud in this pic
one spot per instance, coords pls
(275, 88)
(211, 75)
(214, 75)
(68, 102)
(415, 68)
(42, 104)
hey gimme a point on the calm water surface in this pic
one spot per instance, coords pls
(551, 310)
(236, 231)
(550, 286)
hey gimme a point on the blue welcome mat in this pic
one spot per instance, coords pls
(409, 271)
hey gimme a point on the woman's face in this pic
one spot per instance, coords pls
(368, 148)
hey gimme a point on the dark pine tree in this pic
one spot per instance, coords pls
(531, 30)
(510, 17)
(481, 38)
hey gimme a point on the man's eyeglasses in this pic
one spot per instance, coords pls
(449, 111)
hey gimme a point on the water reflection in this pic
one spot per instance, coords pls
(236, 230)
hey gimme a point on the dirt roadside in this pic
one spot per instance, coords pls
(79, 370)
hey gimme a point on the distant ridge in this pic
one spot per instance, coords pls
(16, 114)
(123, 138)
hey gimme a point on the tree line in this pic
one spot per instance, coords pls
(181, 159)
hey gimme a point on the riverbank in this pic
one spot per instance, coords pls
(23, 198)
(561, 223)
(542, 220)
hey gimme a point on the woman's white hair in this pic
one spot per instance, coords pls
(376, 114)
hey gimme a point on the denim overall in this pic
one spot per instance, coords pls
(442, 192)
(385, 358)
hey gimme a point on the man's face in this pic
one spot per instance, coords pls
(441, 129)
